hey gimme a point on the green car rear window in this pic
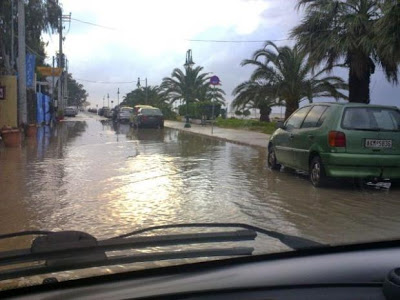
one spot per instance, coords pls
(371, 118)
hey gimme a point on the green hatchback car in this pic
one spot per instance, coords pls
(347, 140)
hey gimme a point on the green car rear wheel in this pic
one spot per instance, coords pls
(317, 172)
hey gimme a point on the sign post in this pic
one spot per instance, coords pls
(214, 80)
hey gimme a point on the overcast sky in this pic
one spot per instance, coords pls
(150, 38)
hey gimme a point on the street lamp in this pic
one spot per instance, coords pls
(189, 63)
(138, 86)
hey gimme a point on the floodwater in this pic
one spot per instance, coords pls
(107, 179)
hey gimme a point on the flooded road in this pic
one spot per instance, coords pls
(108, 179)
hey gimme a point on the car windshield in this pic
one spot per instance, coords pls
(121, 115)
(151, 112)
(366, 118)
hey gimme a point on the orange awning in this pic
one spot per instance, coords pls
(49, 71)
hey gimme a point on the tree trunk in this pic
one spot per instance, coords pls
(359, 81)
(264, 117)
(291, 107)
(265, 111)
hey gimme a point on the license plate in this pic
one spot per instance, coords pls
(369, 143)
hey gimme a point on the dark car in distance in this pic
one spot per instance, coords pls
(147, 117)
(70, 111)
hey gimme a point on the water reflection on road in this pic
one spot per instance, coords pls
(108, 179)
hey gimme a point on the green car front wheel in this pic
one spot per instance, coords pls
(272, 162)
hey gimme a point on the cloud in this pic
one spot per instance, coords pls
(150, 39)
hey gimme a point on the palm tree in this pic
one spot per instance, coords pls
(388, 28)
(190, 85)
(283, 75)
(253, 94)
(350, 31)
(150, 95)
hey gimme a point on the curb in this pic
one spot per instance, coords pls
(219, 138)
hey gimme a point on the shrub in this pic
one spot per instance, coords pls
(256, 125)
(198, 109)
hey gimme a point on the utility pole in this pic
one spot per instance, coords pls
(146, 90)
(52, 83)
(103, 100)
(60, 63)
(118, 96)
(22, 107)
(108, 99)
(66, 83)
(138, 86)
(12, 35)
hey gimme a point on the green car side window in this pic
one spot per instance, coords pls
(295, 121)
(314, 117)
(323, 117)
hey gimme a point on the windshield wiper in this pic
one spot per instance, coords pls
(69, 250)
(293, 242)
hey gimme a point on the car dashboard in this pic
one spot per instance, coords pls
(348, 272)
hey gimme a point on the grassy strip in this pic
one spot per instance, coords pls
(253, 125)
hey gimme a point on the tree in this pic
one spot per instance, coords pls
(238, 113)
(77, 95)
(357, 33)
(147, 95)
(388, 28)
(254, 94)
(190, 85)
(283, 75)
(150, 95)
(41, 16)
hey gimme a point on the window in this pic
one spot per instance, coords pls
(314, 116)
(371, 118)
(151, 112)
(294, 122)
(323, 117)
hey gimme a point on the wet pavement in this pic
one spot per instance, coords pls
(92, 175)
(243, 137)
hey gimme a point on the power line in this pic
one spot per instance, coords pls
(105, 82)
(34, 52)
(93, 24)
(192, 40)
(236, 41)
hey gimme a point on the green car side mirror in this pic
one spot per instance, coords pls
(280, 125)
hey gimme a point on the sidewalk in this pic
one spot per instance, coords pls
(244, 137)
